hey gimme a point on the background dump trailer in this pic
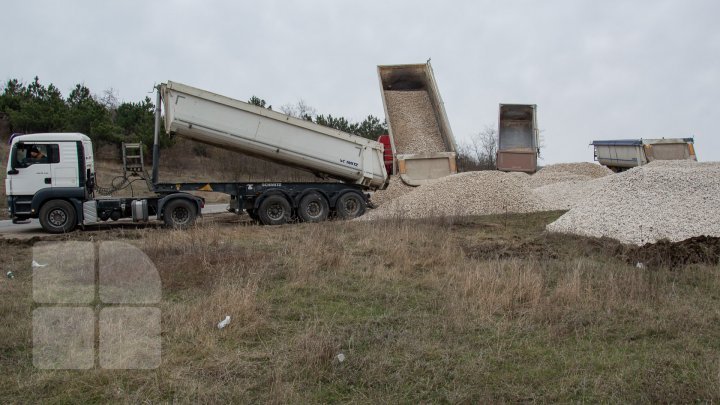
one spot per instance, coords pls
(420, 136)
(623, 154)
(518, 144)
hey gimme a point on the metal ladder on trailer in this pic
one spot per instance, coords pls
(132, 154)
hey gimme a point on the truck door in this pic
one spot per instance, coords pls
(33, 165)
(65, 171)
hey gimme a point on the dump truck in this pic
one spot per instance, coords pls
(421, 140)
(518, 138)
(52, 176)
(624, 154)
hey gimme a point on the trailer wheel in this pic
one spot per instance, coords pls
(313, 208)
(274, 210)
(179, 213)
(350, 205)
(58, 216)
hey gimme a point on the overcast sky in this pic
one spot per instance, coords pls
(596, 69)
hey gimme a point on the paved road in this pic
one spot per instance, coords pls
(25, 231)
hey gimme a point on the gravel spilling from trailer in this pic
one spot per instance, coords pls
(673, 200)
(470, 193)
(414, 125)
(395, 189)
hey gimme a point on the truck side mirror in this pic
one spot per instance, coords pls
(13, 171)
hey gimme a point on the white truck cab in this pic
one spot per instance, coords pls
(52, 177)
(46, 161)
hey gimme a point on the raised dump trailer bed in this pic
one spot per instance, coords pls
(420, 136)
(221, 121)
(517, 138)
(623, 154)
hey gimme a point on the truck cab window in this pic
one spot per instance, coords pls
(31, 154)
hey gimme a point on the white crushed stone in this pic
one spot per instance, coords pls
(554, 178)
(563, 186)
(464, 194)
(413, 121)
(395, 189)
(565, 195)
(573, 173)
(672, 200)
(521, 175)
(593, 170)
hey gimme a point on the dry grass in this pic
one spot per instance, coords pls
(459, 310)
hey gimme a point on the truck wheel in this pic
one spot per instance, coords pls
(179, 213)
(350, 205)
(58, 216)
(313, 208)
(274, 210)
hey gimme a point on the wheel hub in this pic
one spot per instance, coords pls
(275, 211)
(314, 209)
(351, 206)
(180, 215)
(57, 217)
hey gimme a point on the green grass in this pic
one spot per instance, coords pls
(487, 309)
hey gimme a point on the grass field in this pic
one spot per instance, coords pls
(473, 310)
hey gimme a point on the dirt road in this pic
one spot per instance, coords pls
(8, 230)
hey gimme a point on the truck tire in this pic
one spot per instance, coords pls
(179, 213)
(58, 216)
(274, 210)
(350, 205)
(313, 208)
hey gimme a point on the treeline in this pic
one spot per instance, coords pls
(34, 107)
(370, 128)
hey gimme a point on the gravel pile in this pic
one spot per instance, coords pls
(415, 127)
(673, 200)
(470, 193)
(565, 195)
(563, 186)
(395, 189)
(519, 175)
(554, 178)
(568, 172)
(593, 170)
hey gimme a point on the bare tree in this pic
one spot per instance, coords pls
(289, 109)
(305, 111)
(479, 152)
(488, 139)
(301, 109)
(110, 98)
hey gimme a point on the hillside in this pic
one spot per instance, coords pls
(474, 310)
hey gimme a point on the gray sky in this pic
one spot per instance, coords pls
(597, 69)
